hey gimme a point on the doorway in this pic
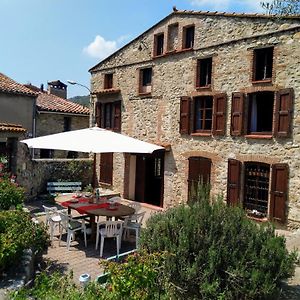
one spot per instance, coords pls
(149, 179)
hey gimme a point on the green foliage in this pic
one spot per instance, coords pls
(10, 194)
(138, 278)
(282, 7)
(217, 252)
(82, 100)
(88, 189)
(17, 233)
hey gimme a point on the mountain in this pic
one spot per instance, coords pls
(83, 100)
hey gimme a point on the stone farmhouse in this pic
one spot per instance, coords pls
(221, 93)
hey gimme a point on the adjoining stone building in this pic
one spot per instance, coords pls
(221, 92)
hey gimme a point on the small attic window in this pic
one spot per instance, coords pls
(158, 44)
(263, 64)
(188, 37)
(108, 81)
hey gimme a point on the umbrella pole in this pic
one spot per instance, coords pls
(94, 184)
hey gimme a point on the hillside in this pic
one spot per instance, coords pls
(83, 100)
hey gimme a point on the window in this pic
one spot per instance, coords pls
(172, 37)
(265, 188)
(108, 81)
(46, 153)
(264, 113)
(203, 114)
(188, 37)
(158, 44)
(260, 116)
(199, 174)
(263, 64)
(204, 71)
(67, 123)
(145, 81)
(106, 168)
(108, 115)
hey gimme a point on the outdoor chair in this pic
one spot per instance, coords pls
(134, 223)
(136, 205)
(53, 219)
(70, 226)
(110, 229)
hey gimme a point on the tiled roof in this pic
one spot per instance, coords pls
(49, 102)
(7, 85)
(11, 127)
(233, 14)
(108, 91)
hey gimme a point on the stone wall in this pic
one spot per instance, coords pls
(230, 41)
(50, 123)
(33, 174)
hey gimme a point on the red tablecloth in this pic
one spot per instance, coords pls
(84, 209)
(80, 200)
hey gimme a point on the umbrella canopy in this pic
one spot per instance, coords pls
(95, 139)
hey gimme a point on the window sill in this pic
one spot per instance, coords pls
(262, 81)
(172, 52)
(259, 136)
(186, 49)
(262, 220)
(201, 88)
(201, 134)
(145, 95)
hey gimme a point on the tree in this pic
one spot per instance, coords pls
(282, 7)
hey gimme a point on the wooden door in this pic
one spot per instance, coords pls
(106, 168)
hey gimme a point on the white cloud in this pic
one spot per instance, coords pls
(228, 5)
(100, 48)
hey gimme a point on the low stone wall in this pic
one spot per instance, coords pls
(34, 174)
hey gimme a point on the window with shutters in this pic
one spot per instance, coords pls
(204, 73)
(199, 174)
(263, 64)
(108, 115)
(67, 123)
(145, 80)
(260, 113)
(108, 81)
(188, 37)
(256, 189)
(265, 188)
(203, 115)
(106, 168)
(159, 44)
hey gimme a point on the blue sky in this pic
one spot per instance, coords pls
(44, 40)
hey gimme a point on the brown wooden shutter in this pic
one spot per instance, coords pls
(106, 168)
(283, 113)
(185, 115)
(98, 113)
(219, 116)
(233, 182)
(117, 116)
(237, 114)
(279, 189)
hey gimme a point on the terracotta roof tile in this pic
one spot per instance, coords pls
(12, 127)
(8, 85)
(49, 102)
(108, 91)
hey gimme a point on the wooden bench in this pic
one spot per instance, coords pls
(63, 187)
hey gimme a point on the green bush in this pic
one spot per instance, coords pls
(139, 278)
(218, 253)
(17, 233)
(10, 194)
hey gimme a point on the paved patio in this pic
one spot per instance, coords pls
(80, 259)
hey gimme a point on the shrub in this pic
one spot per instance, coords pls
(218, 253)
(138, 278)
(17, 233)
(10, 194)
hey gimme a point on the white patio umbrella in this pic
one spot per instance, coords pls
(95, 140)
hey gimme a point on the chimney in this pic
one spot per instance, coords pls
(57, 88)
(42, 87)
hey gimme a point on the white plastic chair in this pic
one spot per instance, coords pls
(135, 205)
(70, 226)
(53, 219)
(115, 199)
(111, 229)
(134, 222)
